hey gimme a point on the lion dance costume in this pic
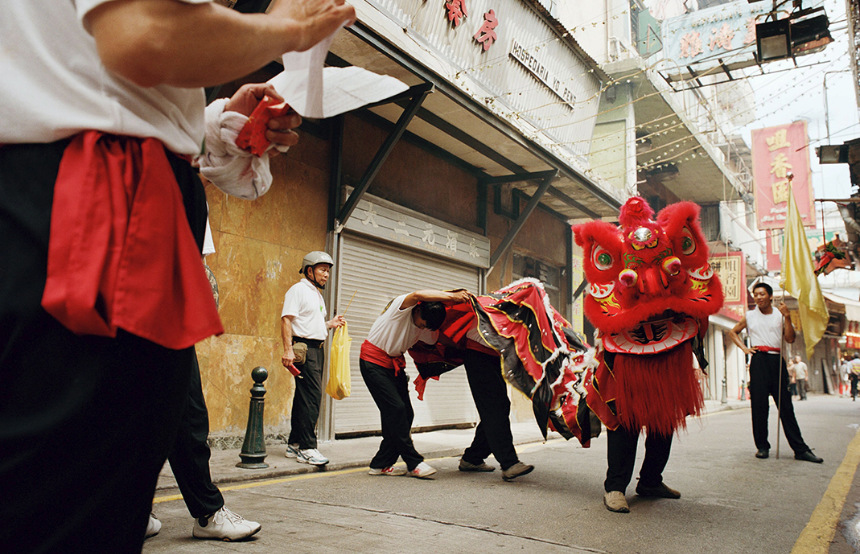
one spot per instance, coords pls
(651, 292)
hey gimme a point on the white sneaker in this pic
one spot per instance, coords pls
(224, 525)
(311, 456)
(423, 471)
(153, 527)
(292, 451)
(390, 470)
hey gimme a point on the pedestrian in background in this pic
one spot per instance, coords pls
(854, 375)
(801, 375)
(304, 330)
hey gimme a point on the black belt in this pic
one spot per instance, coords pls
(313, 343)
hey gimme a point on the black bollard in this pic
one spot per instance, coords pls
(254, 447)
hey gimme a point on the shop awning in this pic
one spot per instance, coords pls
(852, 307)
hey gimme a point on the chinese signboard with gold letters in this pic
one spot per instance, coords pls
(776, 152)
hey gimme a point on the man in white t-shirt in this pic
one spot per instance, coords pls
(768, 328)
(408, 319)
(97, 116)
(303, 332)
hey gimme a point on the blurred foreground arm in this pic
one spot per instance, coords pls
(169, 42)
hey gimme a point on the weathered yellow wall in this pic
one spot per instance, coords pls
(259, 247)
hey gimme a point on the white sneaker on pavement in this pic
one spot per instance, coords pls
(224, 525)
(153, 527)
(423, 471)
(292, 451)
(390, 470)
(311, 456)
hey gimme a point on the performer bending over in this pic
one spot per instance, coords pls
(409, 318)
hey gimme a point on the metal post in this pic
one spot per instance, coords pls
(254, 447)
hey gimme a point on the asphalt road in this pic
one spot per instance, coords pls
(731, 501)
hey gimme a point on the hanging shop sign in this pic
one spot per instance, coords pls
(776, 152)
(385, 220)
(556, 83)
(731, 269)
(709, 37)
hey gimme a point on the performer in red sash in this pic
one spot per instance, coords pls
(651, 292)
(406, 320)
(102, 289)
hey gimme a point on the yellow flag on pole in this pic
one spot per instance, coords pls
(798, 279)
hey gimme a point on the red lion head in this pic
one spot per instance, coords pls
(650, 280)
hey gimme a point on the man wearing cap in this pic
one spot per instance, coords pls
(767, 328)
(303, 331)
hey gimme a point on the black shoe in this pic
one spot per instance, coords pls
(762, 453)
(658, 491)
(808, 456)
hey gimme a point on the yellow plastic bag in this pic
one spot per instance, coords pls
(339, 385)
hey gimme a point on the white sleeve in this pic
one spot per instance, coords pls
(292, 302)
(228, 167)
(83, 7)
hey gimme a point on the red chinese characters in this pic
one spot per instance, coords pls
(486, 34)
(456, 10)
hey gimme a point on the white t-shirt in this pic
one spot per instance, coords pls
(765, 329)
(395, 333)
(54, 85)
(305, 304)
(800, 370)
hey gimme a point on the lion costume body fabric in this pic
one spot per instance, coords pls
(539, 355)
(651, 290)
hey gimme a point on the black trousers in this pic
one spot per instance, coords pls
(85, 422)
(189, 458)
(621, 456)
(391, 394)
(765, 370)
(306, 402)
(493, 433)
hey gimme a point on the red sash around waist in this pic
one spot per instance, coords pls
(766, 348)
(121, 253)
(375, 355)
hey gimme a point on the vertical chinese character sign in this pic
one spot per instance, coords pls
(730, 267)
(776, 151)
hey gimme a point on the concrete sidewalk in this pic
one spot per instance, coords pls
(358, 452)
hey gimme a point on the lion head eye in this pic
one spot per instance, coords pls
(601, 258)
(688, 243)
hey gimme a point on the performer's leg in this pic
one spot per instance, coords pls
(786, 414)
(189, 458)
(404, 444)
(494, 407)
(759, 400)
(657, 450)
(306, 402)
(85, 422)
(396, 415)
(478, 451)
(620, 457)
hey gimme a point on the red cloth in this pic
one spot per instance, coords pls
(252, 136)
(375, 355)
(121, 254)
(766, 348)
(655, 391)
